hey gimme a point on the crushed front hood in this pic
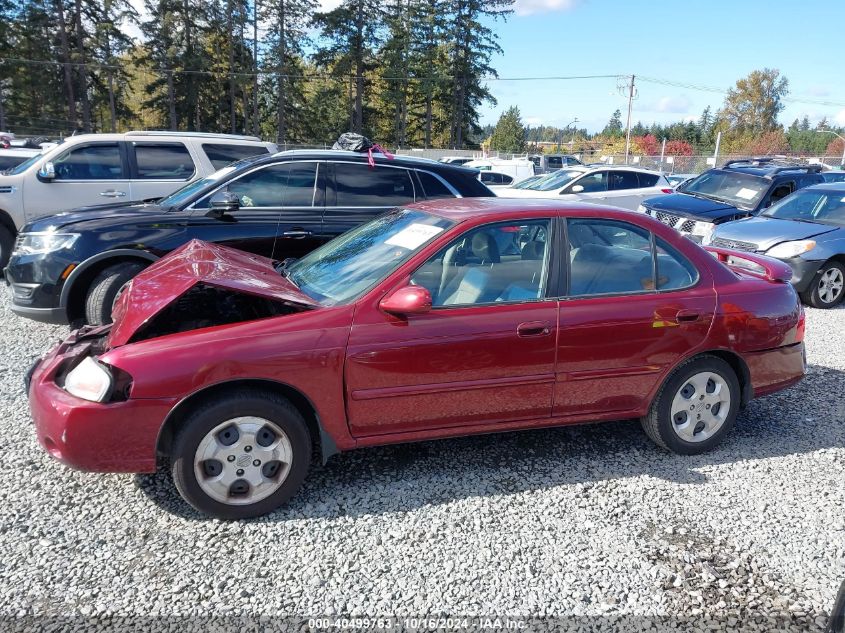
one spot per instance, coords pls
(197, 262)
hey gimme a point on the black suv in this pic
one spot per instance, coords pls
(740, 188)
(68, 268)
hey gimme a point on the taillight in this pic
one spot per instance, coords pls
(802, 326)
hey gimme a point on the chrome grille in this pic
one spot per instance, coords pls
(733, 244)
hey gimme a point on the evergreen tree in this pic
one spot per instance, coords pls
(509, 133)
(614, 126)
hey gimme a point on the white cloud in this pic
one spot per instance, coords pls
(679, 104)
(532, 121)
(840, 117)
(818, 91)
(530, 7)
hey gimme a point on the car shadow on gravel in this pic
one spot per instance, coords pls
(805, 418)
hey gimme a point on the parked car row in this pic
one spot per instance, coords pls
(789, 211)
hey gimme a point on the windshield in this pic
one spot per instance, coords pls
(555, 180)
(22, 167)
(825, 207)
(349, 265)
(739, 190)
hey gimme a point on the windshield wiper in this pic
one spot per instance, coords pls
(282, 269)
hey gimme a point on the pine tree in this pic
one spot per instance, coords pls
(509, 133)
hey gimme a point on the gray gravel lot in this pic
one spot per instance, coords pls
(592, 521)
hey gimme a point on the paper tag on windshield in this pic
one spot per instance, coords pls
(414, 235)
(746, 194)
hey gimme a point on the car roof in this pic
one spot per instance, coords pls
(838, 187)
(162, 134)
(378, 157)
(464, 209)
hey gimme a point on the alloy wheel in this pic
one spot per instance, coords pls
(700, 406)
(243, 460)
(831, 284)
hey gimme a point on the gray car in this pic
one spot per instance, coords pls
(807, 231)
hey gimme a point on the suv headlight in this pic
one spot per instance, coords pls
(785, 250)
(89, 380)
(37, 243)
(642, 209)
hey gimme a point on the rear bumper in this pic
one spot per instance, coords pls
(93, 436)
(776, 369)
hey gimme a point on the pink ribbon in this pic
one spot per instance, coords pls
(378, 148)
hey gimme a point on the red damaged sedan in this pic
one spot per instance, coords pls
(441, 319)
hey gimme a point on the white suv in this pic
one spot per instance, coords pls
(106, 168)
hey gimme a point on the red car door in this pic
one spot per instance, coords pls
(635, 307)
(484, 353)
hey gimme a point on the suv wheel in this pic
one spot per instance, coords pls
(104, 290)
(241, 455)
(7, 243)
(829, 286)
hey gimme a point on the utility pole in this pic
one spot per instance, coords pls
(628, 127)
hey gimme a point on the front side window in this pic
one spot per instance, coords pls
(274, 186)
(610, 257)
(591, 183)
(90, 162)
(345, 268)
(555, 162)
(221, 154)
(359, 185)
(163, 161)
(497, 263)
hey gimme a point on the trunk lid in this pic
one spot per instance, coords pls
(197, 263)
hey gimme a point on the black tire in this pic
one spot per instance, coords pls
(7, 244)
(837, 613)
(813, 297)
(218, 410)
(658, 423)
(104, 289)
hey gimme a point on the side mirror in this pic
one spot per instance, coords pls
(407, 300)
(577, 189)
(47, 171)
(225, 202)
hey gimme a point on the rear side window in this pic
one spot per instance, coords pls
(163, 161)
(648, 180)
(674, 271)
(433, 187)
(90, 162)
(221, 155)
(554, 162)
(610, 257)
(623, 180)
(359, 185)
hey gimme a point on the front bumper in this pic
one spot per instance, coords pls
(36, 283)
(92, 436)
(803, 272)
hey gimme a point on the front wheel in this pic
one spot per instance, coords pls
(695, 408)
(104, 291)
(241, 455)
(7, 244)
(828, 287)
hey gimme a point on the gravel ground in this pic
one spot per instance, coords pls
(590, 527)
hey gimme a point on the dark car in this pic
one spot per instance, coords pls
(739, 189)
(807, 231)
(68, 268)
(415, 326)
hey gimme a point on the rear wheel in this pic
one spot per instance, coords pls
(7, 243)
(829, 286)
(105, 289)
(695, 408)
(241, 455)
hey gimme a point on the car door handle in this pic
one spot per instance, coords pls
(297, 233)
(111, 193)
(687, 316)
(533, 328)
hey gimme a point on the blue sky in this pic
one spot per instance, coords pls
(708, 43)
